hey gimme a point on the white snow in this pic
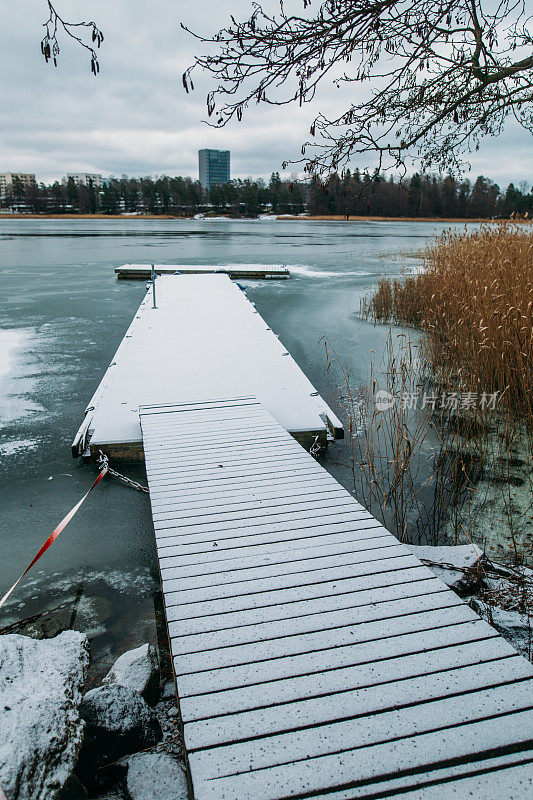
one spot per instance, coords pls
(11, 340)
(312, 272)
(16, 376)
(461, 556)
(40, 726)
(17, 446)
(204, 341)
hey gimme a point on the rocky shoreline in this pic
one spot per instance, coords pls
(119, 741)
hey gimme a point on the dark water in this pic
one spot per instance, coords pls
(62, 315)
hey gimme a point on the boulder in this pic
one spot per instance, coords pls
(156, 775)
(138, 669)
(41, 732)
(118, 722)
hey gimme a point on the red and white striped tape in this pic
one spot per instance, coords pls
(51, 539)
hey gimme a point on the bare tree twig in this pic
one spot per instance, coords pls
(78, 31)
(441, 75)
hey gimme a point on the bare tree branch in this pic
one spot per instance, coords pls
(55, 25)
(436, 75)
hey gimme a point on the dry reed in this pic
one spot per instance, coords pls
(474, 301)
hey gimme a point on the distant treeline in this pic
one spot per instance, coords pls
(418, 196)
(352, 194)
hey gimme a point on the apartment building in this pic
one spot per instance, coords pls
(7, 179)
(85, 178)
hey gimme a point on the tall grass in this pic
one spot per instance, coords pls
(474, 301)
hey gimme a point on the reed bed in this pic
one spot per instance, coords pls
(474, 301)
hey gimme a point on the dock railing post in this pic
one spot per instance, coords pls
(153, 287)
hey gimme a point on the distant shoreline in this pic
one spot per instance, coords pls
(281, 218)
(91, 216)
(369, 218)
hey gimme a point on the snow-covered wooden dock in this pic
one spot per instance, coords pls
(203, 340)
(314, 655)
(144, 271)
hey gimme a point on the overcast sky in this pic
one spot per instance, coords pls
(135, 118)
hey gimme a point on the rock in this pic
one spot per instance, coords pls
(41, 732)
(156, 775)
(512, 625)
(465, 579)
(138, 669)
(118, 722)
(169, 691)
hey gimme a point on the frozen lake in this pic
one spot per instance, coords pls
(62, 315)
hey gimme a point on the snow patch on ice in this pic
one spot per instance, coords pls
(15, 380)
(11, 340)
(17, 446)
(314, 272)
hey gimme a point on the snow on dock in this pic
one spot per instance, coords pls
(205, 339)
(144, 271)
(314, 655)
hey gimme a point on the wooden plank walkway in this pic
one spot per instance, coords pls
(314, 655)
(144, 271)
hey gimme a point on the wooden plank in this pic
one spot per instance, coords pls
(409, 585)
(445, 611)
(198, 442)
(513, 783)
(308, 544)
(215, 508)
(331, 507)
(283, 560)
(229, 544)
(259, 583)
(283, 522)
(508, 775)
(332, 707)
(208, 680)
(365, 764)
(224, 454)
(253, 509)
(338, 737)
(243, 497)
(292, 465)
(264, 607)
(243, 636)
(289, 476)
(252, 467)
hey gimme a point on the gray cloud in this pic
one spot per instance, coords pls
(135, 117)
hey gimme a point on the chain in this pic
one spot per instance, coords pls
(103, 462)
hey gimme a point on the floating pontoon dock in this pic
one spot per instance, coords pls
(205, 339)
(314, 655)
(144, 271)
